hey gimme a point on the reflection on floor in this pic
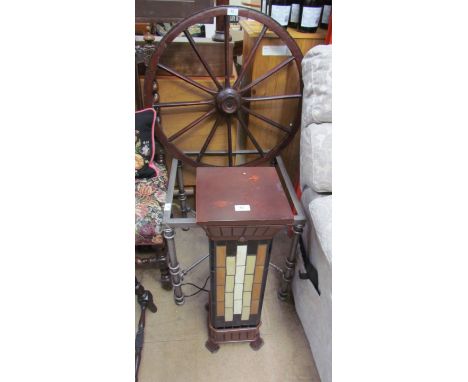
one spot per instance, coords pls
(175, 336)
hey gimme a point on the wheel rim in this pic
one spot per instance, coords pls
(226, 101)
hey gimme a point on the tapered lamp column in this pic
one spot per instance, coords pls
(240, 216)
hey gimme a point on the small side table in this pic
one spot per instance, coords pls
(241, 209)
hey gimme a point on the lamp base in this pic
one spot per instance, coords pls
(241, 334)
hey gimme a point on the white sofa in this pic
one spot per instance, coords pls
(314, 309)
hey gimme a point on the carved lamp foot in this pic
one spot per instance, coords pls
(212, 346)
(257, 344)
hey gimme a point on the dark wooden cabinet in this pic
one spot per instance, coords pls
(168, 10)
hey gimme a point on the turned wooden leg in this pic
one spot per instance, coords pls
(159, 260)
(164, 269)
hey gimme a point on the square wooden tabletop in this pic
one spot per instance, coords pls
(241, 196)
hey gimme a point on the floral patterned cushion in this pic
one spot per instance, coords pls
(144, 143)
(150, 196)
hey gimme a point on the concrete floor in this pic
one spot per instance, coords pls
(175, 336)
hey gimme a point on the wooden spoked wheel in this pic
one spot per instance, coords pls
(224, 111)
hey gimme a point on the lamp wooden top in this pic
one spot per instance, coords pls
(241, 196)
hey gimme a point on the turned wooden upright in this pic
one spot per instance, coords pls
(241, 209)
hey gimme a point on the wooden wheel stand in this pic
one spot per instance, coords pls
(240, 207)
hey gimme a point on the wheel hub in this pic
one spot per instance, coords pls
(228, 101)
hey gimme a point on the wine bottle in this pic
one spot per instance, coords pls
(327, 7)
(280, 11)
(311, 10)
(295, 11)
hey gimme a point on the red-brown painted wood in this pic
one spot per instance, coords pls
(219, 189)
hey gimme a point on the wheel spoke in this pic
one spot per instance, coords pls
(272, 98)
(226, 51)
(267, 74)
(249, 58)
(277, 146)
(184, 103)
(245, 128)
(228, 123)
(208, 140)
(267, 120)
(225, 98)
(202, 60)
(191, 125)
(186, 79)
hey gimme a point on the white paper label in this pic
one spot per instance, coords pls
(232, 11)
(326, 13)
(241, 207)
(310, 17)
(280, 13)
(275, 50)
(295, 8)
(167, 207)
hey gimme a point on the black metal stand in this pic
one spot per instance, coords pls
(290, 263)
(145, 299)
(184, 222)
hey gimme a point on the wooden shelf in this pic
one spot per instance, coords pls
(253, 28)
(252, 3)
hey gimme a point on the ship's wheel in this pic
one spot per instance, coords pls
(231, 110)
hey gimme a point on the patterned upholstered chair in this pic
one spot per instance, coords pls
(150, 195)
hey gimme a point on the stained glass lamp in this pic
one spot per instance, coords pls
(241, 209)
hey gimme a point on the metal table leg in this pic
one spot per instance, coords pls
(174, 267)
(182, 195)
(285, 289)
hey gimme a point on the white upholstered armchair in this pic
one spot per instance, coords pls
(314, 302)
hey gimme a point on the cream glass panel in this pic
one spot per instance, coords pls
(228, 316)
(229, 300)
(250, 268)
(245, 313)
(230, 283)
(240, 271)
(248, 281)
(241, 254)
(247, 298)
(238, 289)
(237, 306)
(230, 265)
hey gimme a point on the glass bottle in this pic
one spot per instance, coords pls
(311, 11)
